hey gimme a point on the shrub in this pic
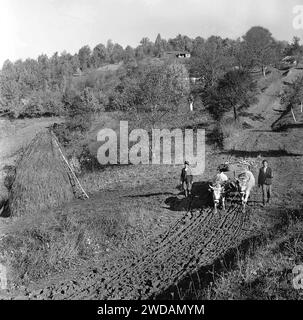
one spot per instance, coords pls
(217, 136)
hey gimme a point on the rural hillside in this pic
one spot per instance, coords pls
(125, 231)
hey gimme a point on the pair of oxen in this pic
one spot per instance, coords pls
(243, 184)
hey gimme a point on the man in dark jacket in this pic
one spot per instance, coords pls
(186, 179)
(265, 181)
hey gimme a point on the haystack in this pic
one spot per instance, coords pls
(238, 165)
(43, 178)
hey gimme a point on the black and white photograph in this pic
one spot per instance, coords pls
(151, 150)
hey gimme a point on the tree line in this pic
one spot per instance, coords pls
(48, 85)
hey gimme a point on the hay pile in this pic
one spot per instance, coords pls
(42, 178)
(237, 165)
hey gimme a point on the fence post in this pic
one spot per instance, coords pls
(292, 112)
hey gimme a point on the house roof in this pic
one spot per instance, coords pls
(177, 52)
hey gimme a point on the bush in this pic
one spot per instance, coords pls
(224, 133)
(125, 96)
(80, 107)
(37, 104)
(230, 128)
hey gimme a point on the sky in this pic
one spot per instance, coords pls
(29, 28)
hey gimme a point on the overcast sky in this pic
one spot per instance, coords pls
(31, 27)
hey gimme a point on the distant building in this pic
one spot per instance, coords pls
(177, 54)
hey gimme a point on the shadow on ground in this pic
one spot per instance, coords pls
(200, 198)
(147, 195)
(284, 127)
(268, 153)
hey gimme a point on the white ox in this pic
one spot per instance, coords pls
(218, 194)
(246, 181)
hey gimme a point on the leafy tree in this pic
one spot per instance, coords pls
(129, 59)
(117, 53)
(159, 46)
(126, 96)
(80, 107)
(147, 46)
(109, 49)
(234, 91)
(99, 55)
(197, 47)
(242, 59)
(43, 103)
(162, 88)
(182, 43)
(129, 54)
(10, 89)
(293, 94)
(139, 52)
(84, 56)
(66, 65)
(260, 46)
(211, 61)
(188, 43)
(44, 69)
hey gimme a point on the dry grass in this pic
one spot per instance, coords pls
(38, 245)
(226, 132)
(42, 180)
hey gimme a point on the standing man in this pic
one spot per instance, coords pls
(186, 179)
(220, 177)
(265, 181)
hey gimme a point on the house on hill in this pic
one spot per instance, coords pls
(177, 54)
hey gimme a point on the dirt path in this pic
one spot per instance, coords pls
(190, 242)
(283, 150)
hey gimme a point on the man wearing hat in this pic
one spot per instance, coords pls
(186, 179)
(265, 181)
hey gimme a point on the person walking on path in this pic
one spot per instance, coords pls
(186, 179)
(265, 181)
